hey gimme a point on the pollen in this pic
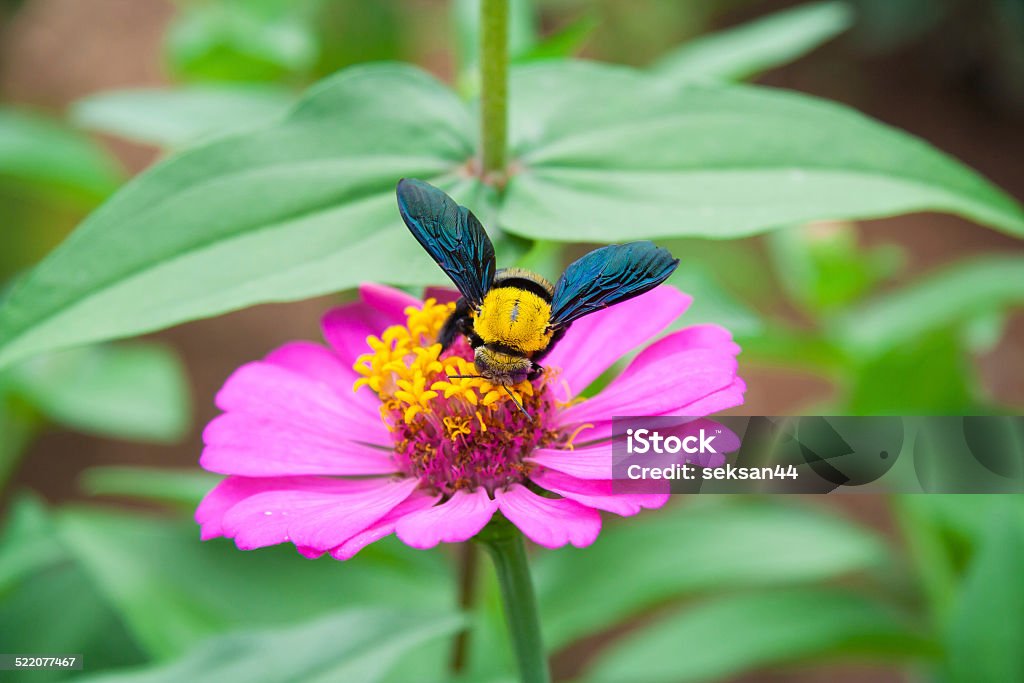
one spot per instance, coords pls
(453, 433)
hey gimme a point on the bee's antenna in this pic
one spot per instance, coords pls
(516, 401)
(467, 377)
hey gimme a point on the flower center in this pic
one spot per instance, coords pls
(452, 433)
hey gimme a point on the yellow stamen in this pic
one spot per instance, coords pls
(457, 426)
(572, 437)
(404, 362)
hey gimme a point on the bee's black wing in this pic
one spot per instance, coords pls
(608, 276)
(451, 234)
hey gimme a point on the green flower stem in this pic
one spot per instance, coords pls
(468, 561)
(494, 84)
(505, 545)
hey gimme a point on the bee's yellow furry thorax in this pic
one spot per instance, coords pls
(514, 317)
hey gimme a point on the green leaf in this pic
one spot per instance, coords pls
(712, 303)
(954, 294)
(565, 42)
(47, 601)
(606, 154)
(18, 424)
(176, 117)
(299, 209)
(547, 259)
(757, 46)
(129, 391)
(982, 333)
(822, 267)
(243, 40)
(42, 153)
(966, 518)
(739, 266)
(931, 579)
(354, 32)
(739, 633)
(27, 542)
(58, 609)
(177, 486)
(778, 345)
(929, 376)
(172, 590)
(357, 645)
(692, 549)
(984, 637)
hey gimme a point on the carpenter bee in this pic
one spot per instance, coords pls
(513, 317)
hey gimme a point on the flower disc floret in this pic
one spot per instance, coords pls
(453, 433)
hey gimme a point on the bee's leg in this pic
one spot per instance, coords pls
(459, 322)
(536, 371)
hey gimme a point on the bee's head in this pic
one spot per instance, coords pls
(501, 367)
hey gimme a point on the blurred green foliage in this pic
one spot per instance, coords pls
(774, 627)
(712, 589)
(245, 40)
(594, 168)
(44, 155)
(180, 116)
(757, 46)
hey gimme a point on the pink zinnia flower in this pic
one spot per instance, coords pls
(431, 458)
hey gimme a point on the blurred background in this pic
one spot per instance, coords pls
(94, 430)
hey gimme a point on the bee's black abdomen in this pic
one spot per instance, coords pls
(458, 323)
(449, 332)
(519, 278)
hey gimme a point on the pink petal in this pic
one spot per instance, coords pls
(678, 377)
(277, 394)
(384, 526)
(321, 364)
(458, 519)
(597, 341)
(320, 515)
(720, 400)
(231, 491)
(549, 522)
(388, 300)
(346, 328)
(443, 295)
(316, 362)
(240, 444)
(708, 336)
(583, 463)
(694, 337)
(600, 495)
